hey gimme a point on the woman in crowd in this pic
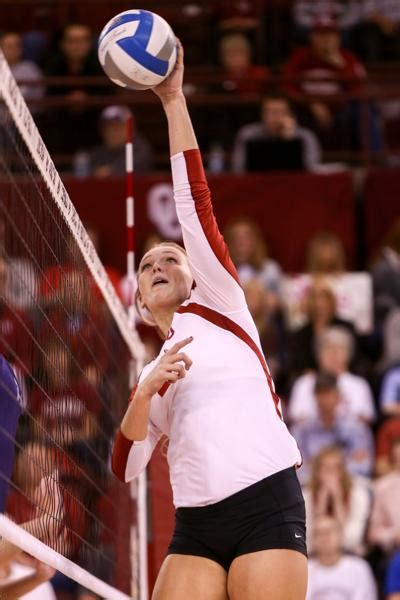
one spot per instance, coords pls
(333, 491)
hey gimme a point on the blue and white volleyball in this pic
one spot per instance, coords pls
(137, 49)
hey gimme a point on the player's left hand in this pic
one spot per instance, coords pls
(171, 87)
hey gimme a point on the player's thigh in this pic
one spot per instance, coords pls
(184, 577)
(268, 574)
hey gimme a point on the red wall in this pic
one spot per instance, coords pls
(289, 209)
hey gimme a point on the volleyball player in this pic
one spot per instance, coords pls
(240, 519)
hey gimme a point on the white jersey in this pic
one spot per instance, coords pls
(349, 579)
(223, 420)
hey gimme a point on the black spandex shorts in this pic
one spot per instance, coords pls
(267, 515)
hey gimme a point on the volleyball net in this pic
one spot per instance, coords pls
(73, 356)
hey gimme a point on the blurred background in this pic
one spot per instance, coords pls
(296, 104)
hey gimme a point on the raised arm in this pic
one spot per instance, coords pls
(212, 268)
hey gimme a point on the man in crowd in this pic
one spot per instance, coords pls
(329, 428)
(278, 122)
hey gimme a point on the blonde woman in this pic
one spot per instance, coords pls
(240, 520)
(332, 491)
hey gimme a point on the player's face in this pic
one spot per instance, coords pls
(164, 279)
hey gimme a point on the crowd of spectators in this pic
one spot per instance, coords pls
(327, 48)
(331, 337)
(57, 336)
(340, 386)
(339, 381)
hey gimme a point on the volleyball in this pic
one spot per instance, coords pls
(137, 49)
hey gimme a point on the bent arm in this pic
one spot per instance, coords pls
(136, 438)
(130, 458)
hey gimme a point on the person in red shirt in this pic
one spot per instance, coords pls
(386, 436)
(324, 71)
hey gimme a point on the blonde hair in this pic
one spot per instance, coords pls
(318, 242)
(316, 468)
(259, 254)
(321, 286)
(144, 313)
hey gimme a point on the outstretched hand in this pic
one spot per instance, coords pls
(171, 87)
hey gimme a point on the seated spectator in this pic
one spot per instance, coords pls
(386, 437)
(331, 573)
(392, 578)
(270, 328)
(325, 255)
(278, 124)
(60, 395)
(325, 260)
(108, 159)
(79, 319)
(334, 348)
(327, 71)
(27, 73)
(347, 14)
(249, 253)
(384, 528)
(74, 126)
(320, 303)
(332, 491)
(381, 32)
(239, 74)
(329, 428)
(386, 275)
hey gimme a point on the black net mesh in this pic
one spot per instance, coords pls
(64, 395)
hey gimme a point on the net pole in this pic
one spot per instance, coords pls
(130, 213)
(141, 487)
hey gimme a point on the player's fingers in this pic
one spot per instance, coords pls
(176, 347)
(180, 357)
(177, 368)
(180, 55)
(172, 376)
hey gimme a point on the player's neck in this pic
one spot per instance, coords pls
(163, 319)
